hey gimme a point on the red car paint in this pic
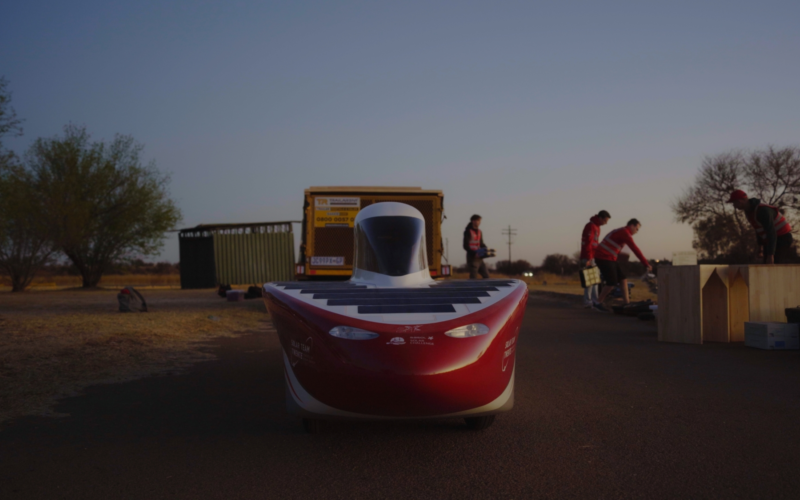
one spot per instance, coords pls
(425, 373)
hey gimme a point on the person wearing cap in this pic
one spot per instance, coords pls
(606, 259)
(773, 232)
(590, 239)
(473, 241)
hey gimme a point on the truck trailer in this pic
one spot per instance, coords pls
(326, 249)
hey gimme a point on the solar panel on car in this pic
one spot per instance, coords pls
(314, 283)
(465, 288)
(326, 287)
(402, 309)
(395, 291)
(403, 293)
(456, 284)
(402, 301)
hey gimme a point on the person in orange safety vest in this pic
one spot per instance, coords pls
(606, 257)
(773, 232)
(473, 241)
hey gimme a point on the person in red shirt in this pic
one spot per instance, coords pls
(606, 259)
(773, 232)
(590, 239)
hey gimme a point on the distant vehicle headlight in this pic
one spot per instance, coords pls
(472, 330)
(348, 332)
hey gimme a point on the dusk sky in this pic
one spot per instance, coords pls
(531, 115)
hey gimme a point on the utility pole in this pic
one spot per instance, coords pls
(509, 232)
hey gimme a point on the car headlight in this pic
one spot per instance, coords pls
(472, 330)
(348, 332)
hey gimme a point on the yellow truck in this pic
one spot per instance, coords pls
(326, 249)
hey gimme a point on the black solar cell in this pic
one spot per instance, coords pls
(315, 283)
(400, 293)
(403, 301)
(429, 308)
(327, 287)
(407, 291)
(460, 284)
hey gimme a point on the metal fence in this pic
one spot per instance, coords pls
(242, 253)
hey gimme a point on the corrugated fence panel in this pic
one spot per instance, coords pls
(254, 258)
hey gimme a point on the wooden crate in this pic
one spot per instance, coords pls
(693, 304)
(760, 292)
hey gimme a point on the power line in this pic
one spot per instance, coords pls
(509, 232)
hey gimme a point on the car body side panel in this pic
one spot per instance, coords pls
(408, 371)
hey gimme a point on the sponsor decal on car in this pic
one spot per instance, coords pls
(301, 351)
(409, 329)
(507, 356)
(327, 261)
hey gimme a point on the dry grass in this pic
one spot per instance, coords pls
(54, 343)
(569, 285)
(109, 281)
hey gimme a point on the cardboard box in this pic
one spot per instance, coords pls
(772, 335)
(684, 258)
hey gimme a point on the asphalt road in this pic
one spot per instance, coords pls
(602, 411)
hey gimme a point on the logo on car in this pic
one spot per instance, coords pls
(397, 341)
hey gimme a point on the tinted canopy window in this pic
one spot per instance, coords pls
(390, 245)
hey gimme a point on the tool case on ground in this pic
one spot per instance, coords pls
(590, 276)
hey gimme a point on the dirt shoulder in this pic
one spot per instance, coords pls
(639, 292)
(55, 343)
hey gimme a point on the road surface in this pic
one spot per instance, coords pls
(602, 411)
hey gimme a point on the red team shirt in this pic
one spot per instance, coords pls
(590, 238)
(613, 244)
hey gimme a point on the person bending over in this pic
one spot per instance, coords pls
(773, 232)
(606, 258)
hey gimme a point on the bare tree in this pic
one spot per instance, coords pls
(773, 176)
(721, 232)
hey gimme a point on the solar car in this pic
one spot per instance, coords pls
(392, 343)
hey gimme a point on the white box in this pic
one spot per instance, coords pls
(684, 258)
(772, 335)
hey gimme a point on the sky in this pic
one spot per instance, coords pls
(531, 115)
